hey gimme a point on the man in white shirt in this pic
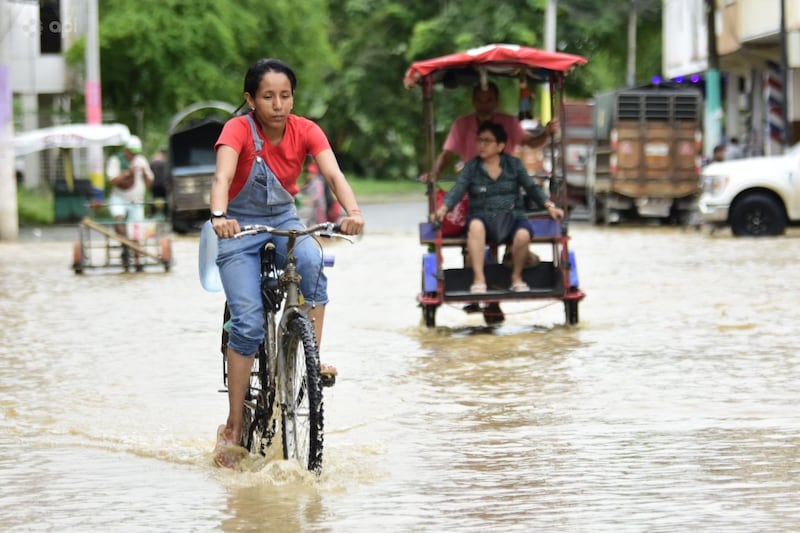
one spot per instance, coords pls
(130, 176)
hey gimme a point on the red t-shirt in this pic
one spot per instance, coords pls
(301, 138)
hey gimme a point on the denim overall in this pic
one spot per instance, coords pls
(263, 200)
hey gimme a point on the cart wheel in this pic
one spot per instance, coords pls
(429, 315)
(571, 311)
(166, 252)
(77, 257)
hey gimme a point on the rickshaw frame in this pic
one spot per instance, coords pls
(146, 243)
(555, 279)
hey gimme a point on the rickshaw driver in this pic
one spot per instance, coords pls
(130, 176)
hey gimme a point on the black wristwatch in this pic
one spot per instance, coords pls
(218, 214)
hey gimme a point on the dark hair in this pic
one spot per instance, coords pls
(495, 129)
(257, 70)
(490, 86)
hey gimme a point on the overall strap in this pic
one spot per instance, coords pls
(257, 142)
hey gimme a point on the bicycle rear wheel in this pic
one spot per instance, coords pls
(301, 406)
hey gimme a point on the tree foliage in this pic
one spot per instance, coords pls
(158, 56)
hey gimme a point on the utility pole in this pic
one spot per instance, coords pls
(787, 130)
(630, 71)
(94, 101)
(9, 224)
(713, 122)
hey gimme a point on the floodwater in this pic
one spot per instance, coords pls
(672, 406)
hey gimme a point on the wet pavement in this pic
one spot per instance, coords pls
(670, 407)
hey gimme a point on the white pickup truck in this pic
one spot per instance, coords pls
(755, 196)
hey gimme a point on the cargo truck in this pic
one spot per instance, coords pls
(578, 141)
(646, 158)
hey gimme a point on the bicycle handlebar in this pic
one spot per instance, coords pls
(327, 230)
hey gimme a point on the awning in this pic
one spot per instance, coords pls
(496, 59)
(71, 136)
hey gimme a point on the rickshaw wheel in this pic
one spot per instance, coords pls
(571, 311)
(166, 252)
(429, 315)
(77, 257)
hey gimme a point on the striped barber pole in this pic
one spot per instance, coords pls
(773, 89)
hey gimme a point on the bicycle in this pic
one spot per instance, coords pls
(285, 378)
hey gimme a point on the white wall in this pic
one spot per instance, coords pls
(30, 71)
(759, 18)
(685, 45)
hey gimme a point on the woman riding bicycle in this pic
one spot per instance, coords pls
(259, 159)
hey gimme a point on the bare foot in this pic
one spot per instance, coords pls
(327, 374)
(330, 370)
(227, 453)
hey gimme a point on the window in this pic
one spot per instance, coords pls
(51, 26)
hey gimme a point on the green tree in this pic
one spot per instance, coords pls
(158, 56)
(597, 30)
(350, 56)
(373, 125)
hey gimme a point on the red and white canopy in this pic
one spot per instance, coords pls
(495, 59)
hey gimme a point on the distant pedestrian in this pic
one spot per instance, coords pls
(324, 206)
(718, 154)
(733, 150)
(130, 176)
(159, 190)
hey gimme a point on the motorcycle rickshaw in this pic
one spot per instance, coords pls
(555, 277)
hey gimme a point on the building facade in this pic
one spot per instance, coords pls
(754, 41)
(42, 83)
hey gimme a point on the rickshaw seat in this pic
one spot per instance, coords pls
(545, 229)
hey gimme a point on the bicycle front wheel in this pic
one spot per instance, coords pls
(301, 408)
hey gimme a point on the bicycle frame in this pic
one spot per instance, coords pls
(282, 378)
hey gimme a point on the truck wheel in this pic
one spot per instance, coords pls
(757, 215)
(610, 216)
(591, 204)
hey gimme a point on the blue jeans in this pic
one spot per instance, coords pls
(239, 262)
